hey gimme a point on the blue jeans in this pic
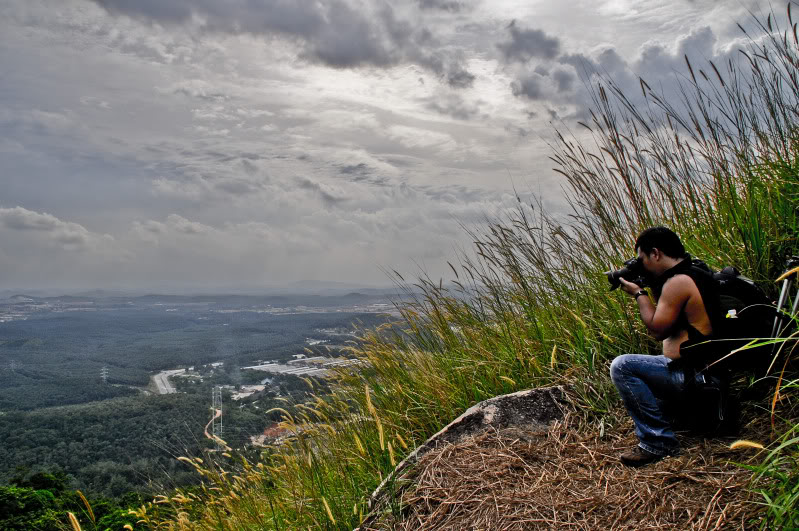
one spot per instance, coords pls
(646, 383)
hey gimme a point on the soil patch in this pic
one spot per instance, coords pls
(566, 477)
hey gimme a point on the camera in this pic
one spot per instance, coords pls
(633, 271)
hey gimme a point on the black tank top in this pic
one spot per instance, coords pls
(702, 352)
(702, 276)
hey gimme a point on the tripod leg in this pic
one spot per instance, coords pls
(786, 286)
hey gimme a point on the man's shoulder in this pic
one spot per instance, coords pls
(680, 283)
(679, 279)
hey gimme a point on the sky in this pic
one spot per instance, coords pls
(214, 145)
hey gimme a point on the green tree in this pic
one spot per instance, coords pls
(25, 508)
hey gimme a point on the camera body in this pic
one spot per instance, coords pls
(633, 271)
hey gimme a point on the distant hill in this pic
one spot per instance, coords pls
(279, 301)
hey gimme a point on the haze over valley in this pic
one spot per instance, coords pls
(110, 389)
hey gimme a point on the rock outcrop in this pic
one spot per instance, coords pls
(527, 412)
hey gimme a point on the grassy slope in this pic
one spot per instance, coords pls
(530, 307)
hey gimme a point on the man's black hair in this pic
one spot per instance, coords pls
(661, 238)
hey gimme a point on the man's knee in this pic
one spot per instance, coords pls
(617, 367)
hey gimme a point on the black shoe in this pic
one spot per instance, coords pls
(639, 457)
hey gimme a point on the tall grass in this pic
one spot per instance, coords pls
(530, 306)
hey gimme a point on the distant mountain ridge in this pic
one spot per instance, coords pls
(238, 301)
(302, 287)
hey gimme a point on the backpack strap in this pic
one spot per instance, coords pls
(708, 288)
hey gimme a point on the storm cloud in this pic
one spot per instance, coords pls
(551, 78)
(335, 33)
(526, 44)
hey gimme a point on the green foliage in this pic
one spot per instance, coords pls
(115, 446)
(23, 507)
(26, 508)
(777, 480)
(776, 475)
(109, 447)
(55, 482)
(117, 519)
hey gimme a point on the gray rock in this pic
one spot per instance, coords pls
(526, 412)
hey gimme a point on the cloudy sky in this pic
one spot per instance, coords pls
(220, 144)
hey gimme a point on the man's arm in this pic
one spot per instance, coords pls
(660, 319)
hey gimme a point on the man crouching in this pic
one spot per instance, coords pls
(647, 382)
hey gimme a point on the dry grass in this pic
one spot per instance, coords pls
(571, 478)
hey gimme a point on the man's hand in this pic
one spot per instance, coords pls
(659, 319)
(628, 287)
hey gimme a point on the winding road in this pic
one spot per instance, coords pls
(217, 414)
(162, 381)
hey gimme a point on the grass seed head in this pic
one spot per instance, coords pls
(73, 522)
(329, 512)
(741, 443)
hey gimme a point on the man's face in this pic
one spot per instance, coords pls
(648, 261)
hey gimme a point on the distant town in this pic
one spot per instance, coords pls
(301, 365)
